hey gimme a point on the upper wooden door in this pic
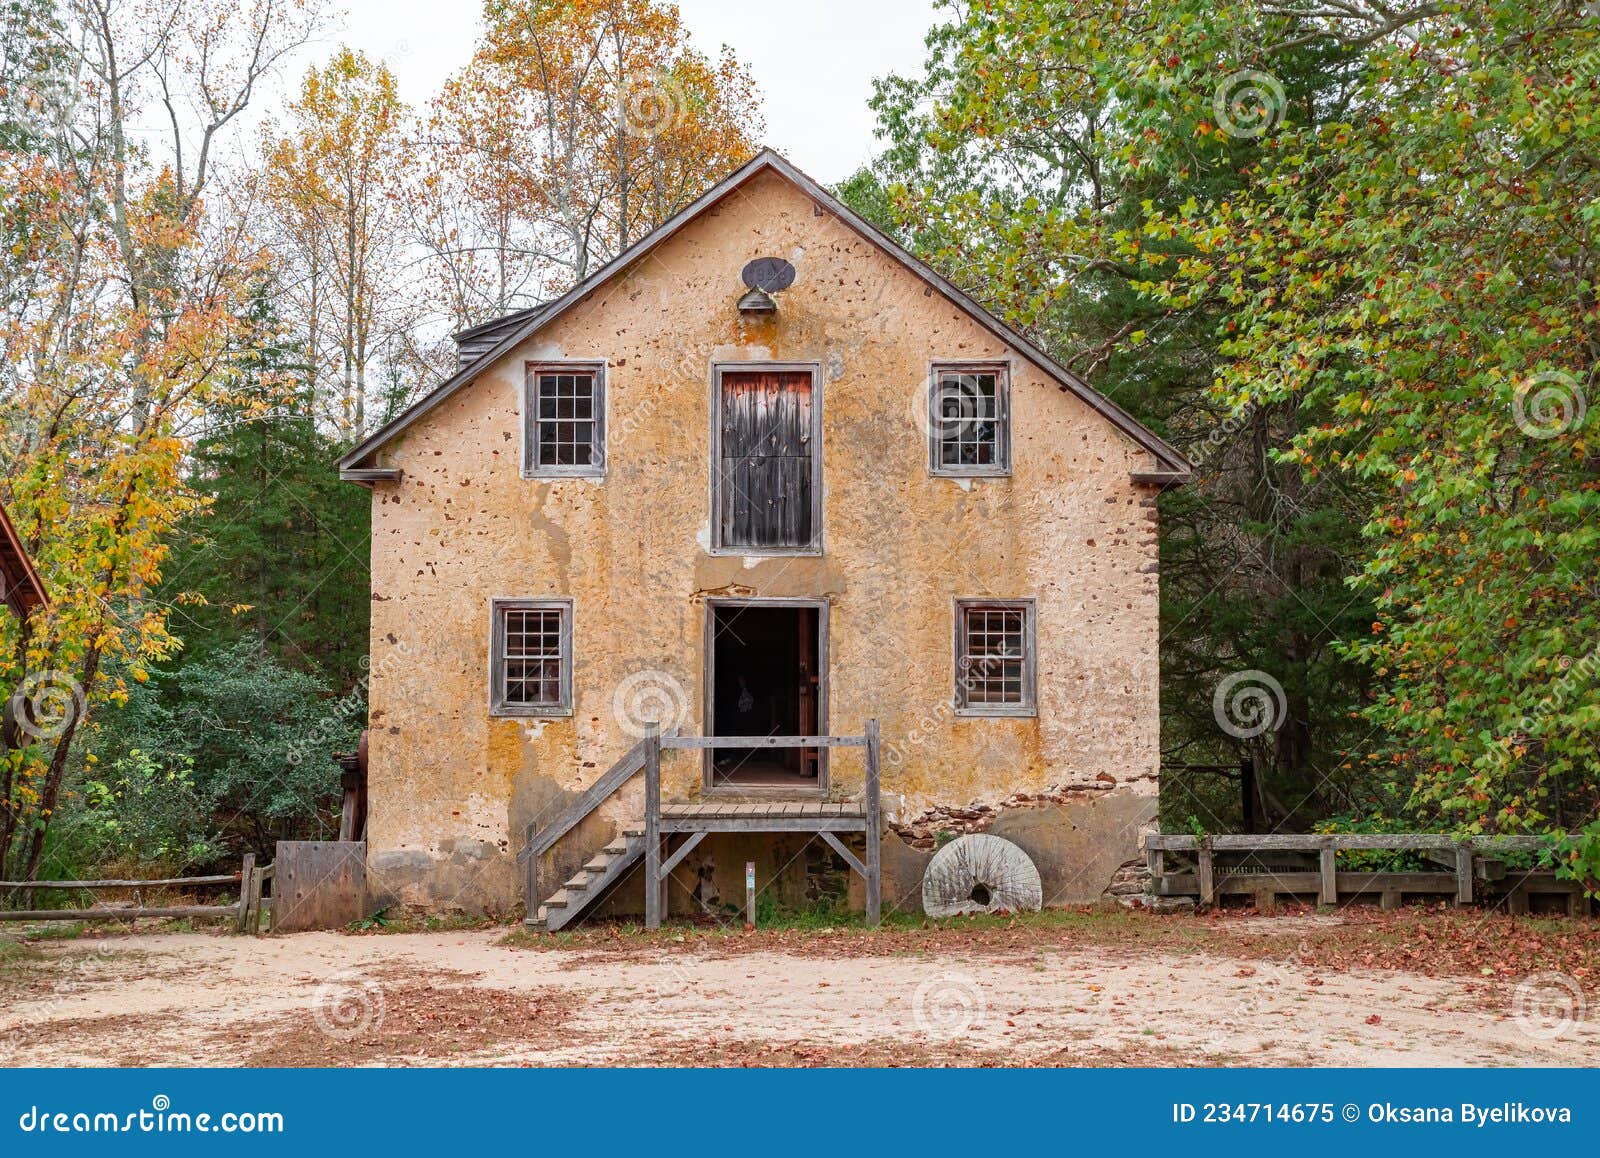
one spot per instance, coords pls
(768, 460)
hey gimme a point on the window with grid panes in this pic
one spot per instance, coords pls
(565, 411)
(969, 420)
(531, 654)
(995, 657)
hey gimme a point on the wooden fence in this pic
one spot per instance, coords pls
(1474, 868)
(246, 912)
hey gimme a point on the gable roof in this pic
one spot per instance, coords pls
(20, 586)
(357, 464)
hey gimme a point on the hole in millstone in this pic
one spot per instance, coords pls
(979, 894)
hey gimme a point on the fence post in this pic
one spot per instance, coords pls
(874, 828)
(1329, 865)
(247, 878)
(652, 826)
(252, 909)
(1463, 875)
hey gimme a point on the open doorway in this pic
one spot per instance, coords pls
(766, 663)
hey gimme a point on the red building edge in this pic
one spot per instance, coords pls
(20, 585)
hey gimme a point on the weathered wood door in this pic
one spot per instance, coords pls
(768, 460)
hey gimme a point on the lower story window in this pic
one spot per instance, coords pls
(530, 657)
(995, 657)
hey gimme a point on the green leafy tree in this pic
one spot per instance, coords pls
(1017, 164)
(279, 555)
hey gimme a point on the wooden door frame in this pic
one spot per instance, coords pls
(708, 785)
(718, 370)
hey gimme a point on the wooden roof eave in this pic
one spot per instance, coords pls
(23, 589)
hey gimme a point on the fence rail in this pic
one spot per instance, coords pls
(1469, 859)
(246, 911)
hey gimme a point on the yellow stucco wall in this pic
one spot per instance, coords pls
(451, 787)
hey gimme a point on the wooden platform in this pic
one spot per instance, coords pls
(763, 816)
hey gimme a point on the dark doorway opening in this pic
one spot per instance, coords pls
(766, 680)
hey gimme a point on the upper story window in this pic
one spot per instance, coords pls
(995, 657)
(766, 493)
(530, 657)
(564, 420)
(969, 420)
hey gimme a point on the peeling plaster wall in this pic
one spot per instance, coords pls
(452, 788)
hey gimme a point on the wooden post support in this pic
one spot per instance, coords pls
(749, 894)
(1463, 875)
(247, 875)
(1208, 880)
(530, 878)
(1329, 894)
(258, 881)
(1389, 899)
(874, 828)
(652, 826)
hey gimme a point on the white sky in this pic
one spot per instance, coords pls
(814, 62)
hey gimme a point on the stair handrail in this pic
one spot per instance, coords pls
(540, 840)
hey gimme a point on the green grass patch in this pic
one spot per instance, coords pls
(383, 922)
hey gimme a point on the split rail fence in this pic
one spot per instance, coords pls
(1307, 865)
(247, 912)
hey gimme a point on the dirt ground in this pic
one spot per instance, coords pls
(1422, 988)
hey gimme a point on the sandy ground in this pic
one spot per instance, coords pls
(471, 998)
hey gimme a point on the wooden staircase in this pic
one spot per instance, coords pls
(607, 867)
(651, 839)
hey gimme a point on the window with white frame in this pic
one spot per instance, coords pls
(530, 657)
(969, 420)
(564, 430)
(995, 658)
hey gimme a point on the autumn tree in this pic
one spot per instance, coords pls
(138, 273)
(334, 183)
(578, 126)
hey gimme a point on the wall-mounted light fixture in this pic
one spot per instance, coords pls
(762, 278)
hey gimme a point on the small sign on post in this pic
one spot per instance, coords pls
(749, 895)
